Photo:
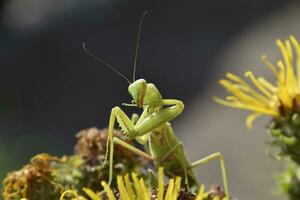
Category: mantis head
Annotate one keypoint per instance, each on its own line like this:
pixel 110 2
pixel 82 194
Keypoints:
pixel 137 89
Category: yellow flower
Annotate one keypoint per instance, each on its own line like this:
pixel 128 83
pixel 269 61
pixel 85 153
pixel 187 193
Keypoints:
pixel 135 189
pixel 127 189
pixel 263 97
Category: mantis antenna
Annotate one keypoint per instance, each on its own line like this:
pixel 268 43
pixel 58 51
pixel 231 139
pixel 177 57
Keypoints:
pixel 137 44
pixel 103 62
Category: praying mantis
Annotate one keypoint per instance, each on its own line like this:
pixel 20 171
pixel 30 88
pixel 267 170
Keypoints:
pixel 153 130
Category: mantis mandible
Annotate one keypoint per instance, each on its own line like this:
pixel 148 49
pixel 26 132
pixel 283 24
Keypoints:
pixel 153 130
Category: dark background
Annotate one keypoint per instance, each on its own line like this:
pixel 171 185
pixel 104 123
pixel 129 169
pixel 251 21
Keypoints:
pixel 50 89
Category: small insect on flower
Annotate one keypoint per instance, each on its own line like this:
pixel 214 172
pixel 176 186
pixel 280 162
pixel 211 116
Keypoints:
pixel 279 99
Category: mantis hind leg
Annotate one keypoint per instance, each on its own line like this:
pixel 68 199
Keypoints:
pixel 214 156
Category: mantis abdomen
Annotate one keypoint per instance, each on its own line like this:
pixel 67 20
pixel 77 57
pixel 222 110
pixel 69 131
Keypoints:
pixel 168 152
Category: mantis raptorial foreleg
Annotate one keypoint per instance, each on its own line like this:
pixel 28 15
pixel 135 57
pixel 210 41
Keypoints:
pixel 126 125
pixel 156 119
pixel 214 156
pixel 142 126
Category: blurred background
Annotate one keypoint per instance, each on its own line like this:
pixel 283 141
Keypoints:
pixel 50 89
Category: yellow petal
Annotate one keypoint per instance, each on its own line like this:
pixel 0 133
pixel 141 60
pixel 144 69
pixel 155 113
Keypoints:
pixel 137 186
pixel 258 84
pixel 270 65
pixel 145 191
pixel 91 194
pixel 108 191
pixel 176 188
pixel 123 192
pixel 201 193
pixel 251 118
pixel 160 192
pixel 68 192
pixel 129 187
pixel 297 49
pixel 170 190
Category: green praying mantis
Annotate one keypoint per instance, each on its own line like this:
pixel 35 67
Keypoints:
pixel 153 130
